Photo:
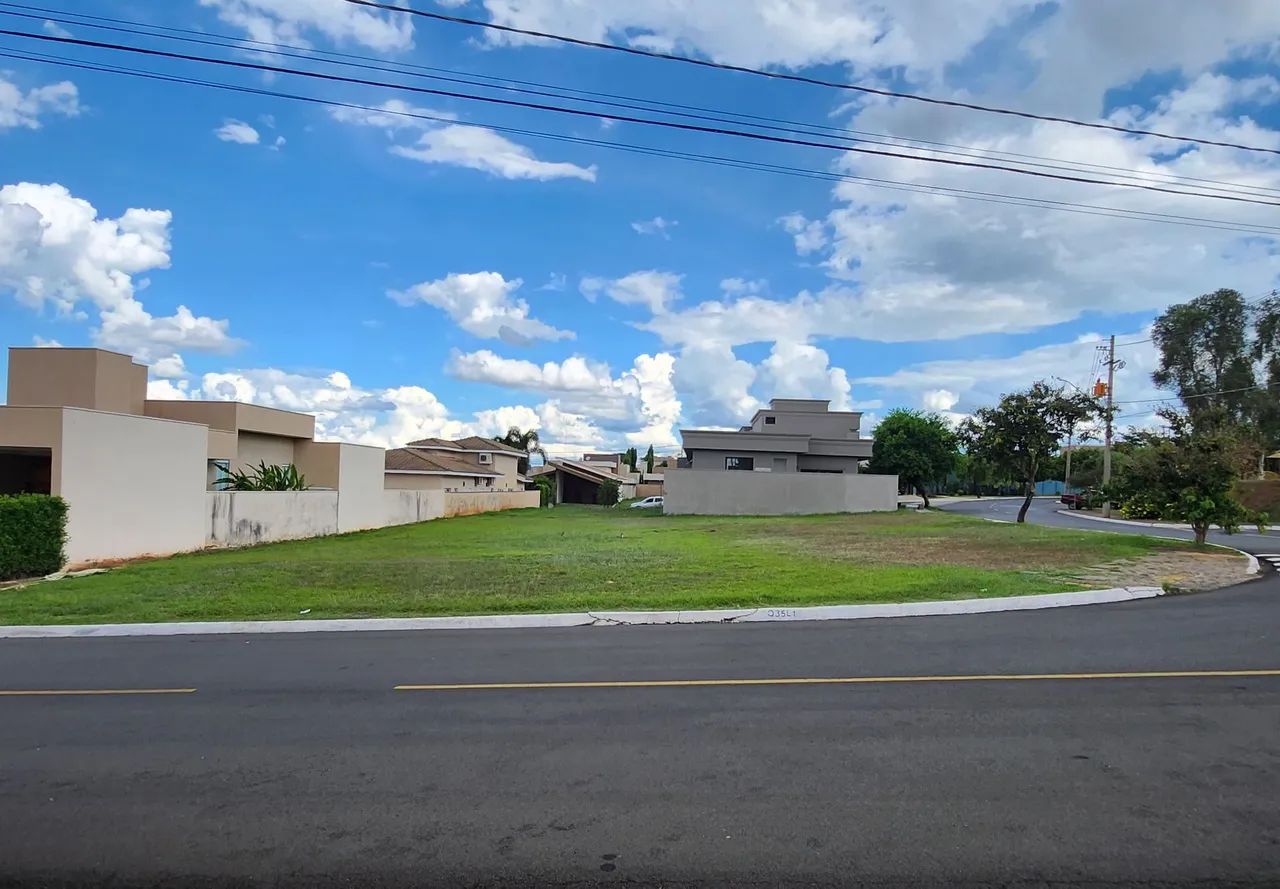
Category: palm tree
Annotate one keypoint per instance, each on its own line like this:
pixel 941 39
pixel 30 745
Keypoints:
pixel 526 441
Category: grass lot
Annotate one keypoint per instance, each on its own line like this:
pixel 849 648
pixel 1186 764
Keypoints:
pixel 582 558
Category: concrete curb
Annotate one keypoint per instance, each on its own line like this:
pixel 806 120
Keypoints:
pixel 591 618
pixel 1172 526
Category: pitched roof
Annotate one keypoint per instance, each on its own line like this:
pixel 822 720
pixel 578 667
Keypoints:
pixel 591 471
pixel 434 443
pixel 470 443
pixel 476 443
pixel 409 460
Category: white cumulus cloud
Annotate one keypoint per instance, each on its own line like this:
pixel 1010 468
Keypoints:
pixel 483 304
pixel 237 131
pixel 56 251
pixel 434 140
pixel 300 21
pixel 26 109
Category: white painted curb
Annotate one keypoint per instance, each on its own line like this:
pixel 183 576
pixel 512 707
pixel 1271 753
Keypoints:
pixel 592 618
pixel 1172 526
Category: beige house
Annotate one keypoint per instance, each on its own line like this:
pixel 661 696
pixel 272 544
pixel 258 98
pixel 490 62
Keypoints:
pixel 139 475
pixel 797 456
pixel 464 464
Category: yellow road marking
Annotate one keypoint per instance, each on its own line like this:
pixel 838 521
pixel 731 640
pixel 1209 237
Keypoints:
pixel 840 680
pixel 62 692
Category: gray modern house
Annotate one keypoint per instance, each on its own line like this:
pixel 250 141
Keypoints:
pixel 796 456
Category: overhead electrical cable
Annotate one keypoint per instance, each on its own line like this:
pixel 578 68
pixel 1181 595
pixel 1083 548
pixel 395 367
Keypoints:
pixel 629 102
pixel 714 160
pixel 799 78
pixel 577 112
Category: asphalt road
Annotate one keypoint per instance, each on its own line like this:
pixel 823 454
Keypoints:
pixel 1048 511
pixel 296 762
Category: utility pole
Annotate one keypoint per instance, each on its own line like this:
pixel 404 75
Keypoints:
pixel 1106 450
pixel 1066 481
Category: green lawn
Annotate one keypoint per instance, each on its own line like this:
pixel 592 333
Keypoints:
pixel 581 558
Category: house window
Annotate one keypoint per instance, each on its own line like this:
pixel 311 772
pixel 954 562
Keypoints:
pixel 486 458
pixel 770 421
pixel 744 463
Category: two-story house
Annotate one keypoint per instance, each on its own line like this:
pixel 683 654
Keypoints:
pixel 796 456
pixel 464 464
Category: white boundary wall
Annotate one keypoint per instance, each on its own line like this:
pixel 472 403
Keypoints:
pixel 133 485
pixel 404 507
pixel 705 492
pixel 242 518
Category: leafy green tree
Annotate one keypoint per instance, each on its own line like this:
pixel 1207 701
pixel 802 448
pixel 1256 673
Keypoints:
pixel 648 459
pixel 546 486
pixel 1205 355
pixel 1222 357
pixel 630 458
pixel 1186 474
pixel 607 493
pixel 526 441
pixel 1022 432
pixel 920 448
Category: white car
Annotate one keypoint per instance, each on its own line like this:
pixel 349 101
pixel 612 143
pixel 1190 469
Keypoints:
pixel 647 503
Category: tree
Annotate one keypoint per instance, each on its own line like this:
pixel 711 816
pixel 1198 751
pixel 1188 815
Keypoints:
pixel 1205 355
pixel 1023 431
pixel 526 441
pixel 630 457
pixel 1222 357
pixel 1185 475
pixel 648 459
pixel 607 493
pixel 546 485
pixel 920 448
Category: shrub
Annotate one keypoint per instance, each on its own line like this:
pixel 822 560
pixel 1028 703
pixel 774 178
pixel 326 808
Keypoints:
pixel 265 478
pixel 607 493
pixel 546 486
pixel 33 530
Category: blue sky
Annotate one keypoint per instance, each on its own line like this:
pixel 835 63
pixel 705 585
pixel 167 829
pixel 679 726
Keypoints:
pixel 403 278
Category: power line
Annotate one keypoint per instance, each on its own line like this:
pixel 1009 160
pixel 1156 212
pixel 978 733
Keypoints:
pixel 714 160
pixel 651 105
pixel 1201 394
pixel 798 78
pixel 558 109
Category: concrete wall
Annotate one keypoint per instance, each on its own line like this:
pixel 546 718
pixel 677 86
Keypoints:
pixel 214 414
pixel 689 492
pixel 405 481
pixel 253 448
pixel 704 460
pixel 507 464
pixel 823 462
pixel 456 504
pixel 242 518
pixel 134 485
pixel 89 378
pixel 360 500
pixel 407 507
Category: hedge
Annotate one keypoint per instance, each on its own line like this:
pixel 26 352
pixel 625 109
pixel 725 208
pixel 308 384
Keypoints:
pixel 33 530
pixel 1260 496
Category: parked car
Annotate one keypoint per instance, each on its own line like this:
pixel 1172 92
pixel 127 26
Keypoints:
pixel 647 503
pixel 1090 498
